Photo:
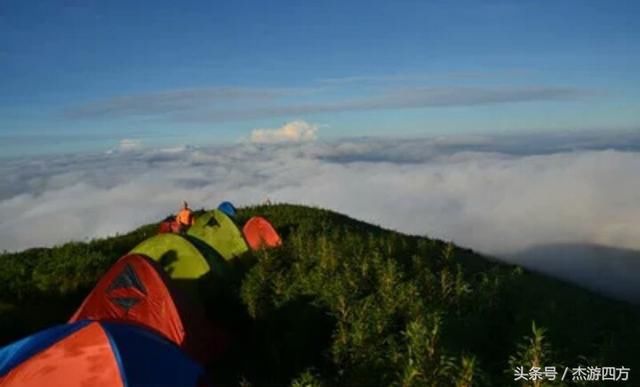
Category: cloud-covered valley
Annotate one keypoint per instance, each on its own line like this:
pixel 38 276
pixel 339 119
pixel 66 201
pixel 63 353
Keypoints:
pixel 545 200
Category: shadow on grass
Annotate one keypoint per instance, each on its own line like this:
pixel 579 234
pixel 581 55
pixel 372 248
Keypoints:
pixel 275 349
pixel 37 313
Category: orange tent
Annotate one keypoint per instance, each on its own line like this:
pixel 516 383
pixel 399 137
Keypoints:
pixel 136 290
pixel 96 353
pixel 260 233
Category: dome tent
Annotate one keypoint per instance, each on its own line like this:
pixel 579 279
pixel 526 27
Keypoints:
pixel 177 256
pixel 228 208
pixel 136 290
pixel 187 265
pixel 90 353
pixel 260 233
pixel 218 231
pixel 168 225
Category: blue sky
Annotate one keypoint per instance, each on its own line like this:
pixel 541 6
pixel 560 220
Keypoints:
pixel 82 75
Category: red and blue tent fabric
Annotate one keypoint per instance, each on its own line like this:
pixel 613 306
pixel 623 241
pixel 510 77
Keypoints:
pixel 260 233
pixel 228 208
pixel 91 353
pixel 136 290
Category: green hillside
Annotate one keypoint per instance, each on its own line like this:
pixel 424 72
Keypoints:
pixel 348 303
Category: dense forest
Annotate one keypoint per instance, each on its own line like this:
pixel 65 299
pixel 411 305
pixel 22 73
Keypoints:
pixel 345 303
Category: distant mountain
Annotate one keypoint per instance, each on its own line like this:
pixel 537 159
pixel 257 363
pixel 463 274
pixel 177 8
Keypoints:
pixel 607 270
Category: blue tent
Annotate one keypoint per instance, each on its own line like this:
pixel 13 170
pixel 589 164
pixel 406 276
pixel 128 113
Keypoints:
pixel 96 353
pixel 228 208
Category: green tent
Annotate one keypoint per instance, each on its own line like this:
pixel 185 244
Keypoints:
pixel 218 231
pixel 179 257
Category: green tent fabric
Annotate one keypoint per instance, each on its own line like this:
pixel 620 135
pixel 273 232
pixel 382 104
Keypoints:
pixel 218 231
pixel 179 257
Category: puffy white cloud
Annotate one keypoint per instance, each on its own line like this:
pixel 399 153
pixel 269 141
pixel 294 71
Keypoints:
pixel 295 131
pixel 527 199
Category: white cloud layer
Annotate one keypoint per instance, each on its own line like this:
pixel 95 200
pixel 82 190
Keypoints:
pixel 540 200
pixel 295 131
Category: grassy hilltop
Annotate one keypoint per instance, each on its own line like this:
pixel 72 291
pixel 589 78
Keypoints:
pixel 348 303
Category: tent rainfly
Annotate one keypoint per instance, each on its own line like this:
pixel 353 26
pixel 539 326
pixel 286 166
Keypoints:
pixel 218 231
pixel 137 291
pixel 228 208
pixel 92 353
pixel 260 233
pixel 177 256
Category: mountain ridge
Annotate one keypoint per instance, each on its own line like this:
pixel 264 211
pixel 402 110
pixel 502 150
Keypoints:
pixel 345 302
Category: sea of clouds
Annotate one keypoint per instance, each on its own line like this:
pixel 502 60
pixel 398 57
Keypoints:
pixel 563 203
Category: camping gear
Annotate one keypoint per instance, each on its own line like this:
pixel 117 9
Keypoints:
pixel 228 208
pixel 136 290
pixel 260 233
pixel 169 225
pixel 91 353
pixel 217 230
pixel 183 261
pixel 177 256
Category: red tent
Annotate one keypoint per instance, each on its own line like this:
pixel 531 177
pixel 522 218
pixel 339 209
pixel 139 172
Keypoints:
pixel 260 233
pixel 168 225
pixel 136 290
